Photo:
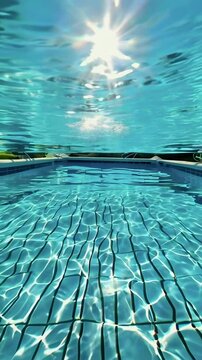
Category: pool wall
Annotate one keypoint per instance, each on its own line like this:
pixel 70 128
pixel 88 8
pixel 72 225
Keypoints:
pixel 13 166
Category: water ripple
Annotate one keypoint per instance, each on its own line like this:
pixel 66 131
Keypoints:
pixel 117 268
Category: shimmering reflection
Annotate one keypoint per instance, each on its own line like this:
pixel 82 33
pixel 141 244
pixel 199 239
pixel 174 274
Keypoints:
pixel 98 124
pixel 115 260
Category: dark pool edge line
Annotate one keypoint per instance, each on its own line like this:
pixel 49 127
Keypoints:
pixel 12 166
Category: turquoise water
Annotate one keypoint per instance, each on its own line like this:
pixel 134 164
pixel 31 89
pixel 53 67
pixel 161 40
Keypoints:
pixel 109 76
pixel 100 262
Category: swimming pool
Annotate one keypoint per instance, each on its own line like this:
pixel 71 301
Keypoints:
pixel 100 261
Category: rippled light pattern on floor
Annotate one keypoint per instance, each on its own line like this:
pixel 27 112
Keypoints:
pixel 100 273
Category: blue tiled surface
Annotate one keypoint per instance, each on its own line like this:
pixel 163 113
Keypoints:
pixel 106 254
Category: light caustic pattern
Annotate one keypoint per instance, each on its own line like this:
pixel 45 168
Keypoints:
pixel 100 275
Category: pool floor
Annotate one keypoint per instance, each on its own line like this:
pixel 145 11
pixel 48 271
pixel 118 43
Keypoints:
pixel 100 275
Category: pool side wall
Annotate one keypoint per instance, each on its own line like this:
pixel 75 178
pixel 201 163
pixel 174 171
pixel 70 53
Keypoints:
pixel 13 166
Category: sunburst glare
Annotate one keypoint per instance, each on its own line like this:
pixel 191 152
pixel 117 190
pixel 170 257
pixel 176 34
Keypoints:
pixel 116 3
pixel 106 44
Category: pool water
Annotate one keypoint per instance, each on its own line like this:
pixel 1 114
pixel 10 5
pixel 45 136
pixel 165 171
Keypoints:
pixel 100 262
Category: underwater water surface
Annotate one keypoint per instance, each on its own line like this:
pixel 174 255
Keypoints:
pixel 108 76
pixel 100 263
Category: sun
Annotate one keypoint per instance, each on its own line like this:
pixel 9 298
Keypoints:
pixel 106 44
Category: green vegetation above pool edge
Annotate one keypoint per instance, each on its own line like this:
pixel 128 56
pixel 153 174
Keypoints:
pixel 189 156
